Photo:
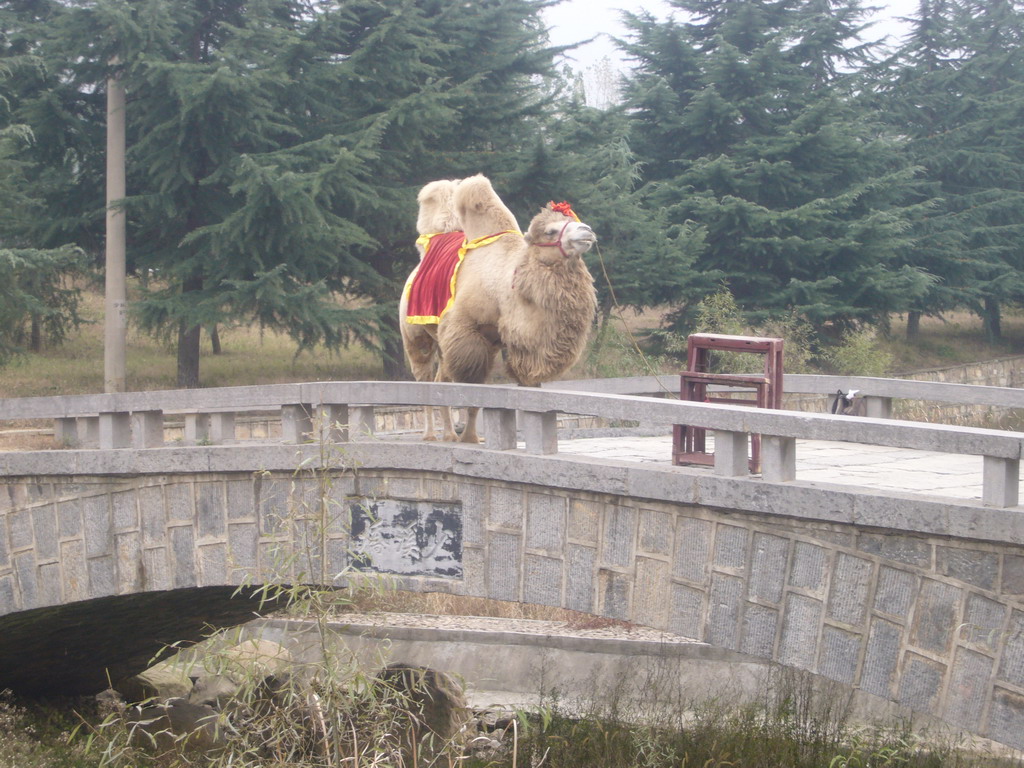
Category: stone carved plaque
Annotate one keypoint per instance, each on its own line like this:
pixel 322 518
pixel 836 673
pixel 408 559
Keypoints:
pixel 409 538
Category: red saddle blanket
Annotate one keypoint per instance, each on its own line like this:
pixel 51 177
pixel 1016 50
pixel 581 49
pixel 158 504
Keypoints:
pixel 431 287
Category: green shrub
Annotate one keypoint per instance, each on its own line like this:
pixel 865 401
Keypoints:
pixel 859 354
pixel 719 313
pixel 613 352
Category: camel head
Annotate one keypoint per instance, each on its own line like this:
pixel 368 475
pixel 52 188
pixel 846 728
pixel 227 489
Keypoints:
pixel 556 233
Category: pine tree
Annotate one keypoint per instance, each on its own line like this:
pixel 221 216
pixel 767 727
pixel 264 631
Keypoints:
pixel 746 125
pixel 275 146
pixel 39 300
pixel 974 149
pixel 38 296
pixel 952 90
pixel 65 125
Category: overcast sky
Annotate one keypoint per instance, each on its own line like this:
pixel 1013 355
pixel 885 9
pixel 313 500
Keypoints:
pixel 575 20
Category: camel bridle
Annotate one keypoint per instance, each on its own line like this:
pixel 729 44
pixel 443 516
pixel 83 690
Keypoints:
pixel 557 242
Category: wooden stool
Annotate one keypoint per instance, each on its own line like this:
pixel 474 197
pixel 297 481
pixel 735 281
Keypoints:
pixel 689 444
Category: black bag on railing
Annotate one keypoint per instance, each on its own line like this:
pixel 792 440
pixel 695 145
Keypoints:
pixel 849 403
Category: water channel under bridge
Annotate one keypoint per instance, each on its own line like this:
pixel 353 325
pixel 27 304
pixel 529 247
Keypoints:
pixel 885 555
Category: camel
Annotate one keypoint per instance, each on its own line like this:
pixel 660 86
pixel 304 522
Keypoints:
pixel 530 294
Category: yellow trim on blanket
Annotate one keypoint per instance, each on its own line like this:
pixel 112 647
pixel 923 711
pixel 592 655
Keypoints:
pixel 465 248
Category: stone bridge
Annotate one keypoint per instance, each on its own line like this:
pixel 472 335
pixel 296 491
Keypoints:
pixel 165 512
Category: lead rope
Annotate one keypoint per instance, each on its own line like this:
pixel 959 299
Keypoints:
pixel 618 311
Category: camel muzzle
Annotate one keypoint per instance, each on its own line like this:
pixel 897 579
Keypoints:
pixel 583 238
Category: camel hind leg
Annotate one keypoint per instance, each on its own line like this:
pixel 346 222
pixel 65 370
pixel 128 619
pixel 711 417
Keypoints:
pixel 448 433
pixel 422 353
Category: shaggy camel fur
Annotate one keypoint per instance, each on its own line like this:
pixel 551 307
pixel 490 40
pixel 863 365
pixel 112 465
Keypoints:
pixel 531 294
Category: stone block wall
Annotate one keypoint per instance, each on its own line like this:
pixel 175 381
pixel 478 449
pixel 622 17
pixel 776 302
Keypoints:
pixel 1002 372
pixel 932 623
pixel 63 541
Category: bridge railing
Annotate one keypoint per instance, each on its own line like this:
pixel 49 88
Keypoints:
pixel 136 419
pixel 878 393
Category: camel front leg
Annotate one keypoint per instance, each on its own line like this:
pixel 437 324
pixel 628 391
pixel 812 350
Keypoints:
pixel 429 432
pixel 467 356
pixel 448 426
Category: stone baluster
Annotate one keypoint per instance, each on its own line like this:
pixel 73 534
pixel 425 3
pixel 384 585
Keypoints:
pixel 222 427
pixel 89 431
pixel 197 428
pixel 1000 481
pixel 65 431
pixel 778 458
pixel 297 423
pixel 500 428
pixel 147 429
pixel 209 428
pixel 540 431
pixel 115 430
pixel 334 422
pixel 362 422
pixel 731 458
pixel 876 407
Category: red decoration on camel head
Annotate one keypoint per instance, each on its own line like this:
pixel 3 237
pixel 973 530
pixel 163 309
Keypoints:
pixel 563 208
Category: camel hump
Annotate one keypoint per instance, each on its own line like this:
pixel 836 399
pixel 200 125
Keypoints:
pixel 480 210
pixel 437 207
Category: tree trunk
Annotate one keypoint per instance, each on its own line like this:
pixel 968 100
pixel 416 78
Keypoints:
pixel 188 339
pixel 36 343
pixel 913 325
pixel 993 320
pixel 188 355
pixel 215 339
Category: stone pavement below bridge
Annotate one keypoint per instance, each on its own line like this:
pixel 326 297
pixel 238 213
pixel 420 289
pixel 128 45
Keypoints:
pixel 821 461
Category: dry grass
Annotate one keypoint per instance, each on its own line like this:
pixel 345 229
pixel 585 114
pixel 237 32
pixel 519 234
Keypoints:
pixel 250 356
pixel 956 338
pixel 27 439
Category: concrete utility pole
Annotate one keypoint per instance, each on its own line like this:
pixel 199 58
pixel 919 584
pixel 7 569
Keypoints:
pixel 116 323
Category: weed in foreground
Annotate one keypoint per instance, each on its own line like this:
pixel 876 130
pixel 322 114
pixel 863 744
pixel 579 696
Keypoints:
pixel 723 736
pixel 648 720
pixel 33 735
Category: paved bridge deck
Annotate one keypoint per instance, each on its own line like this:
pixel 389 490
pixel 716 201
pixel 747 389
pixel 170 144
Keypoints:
pixel 822 461
pixel 818 461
